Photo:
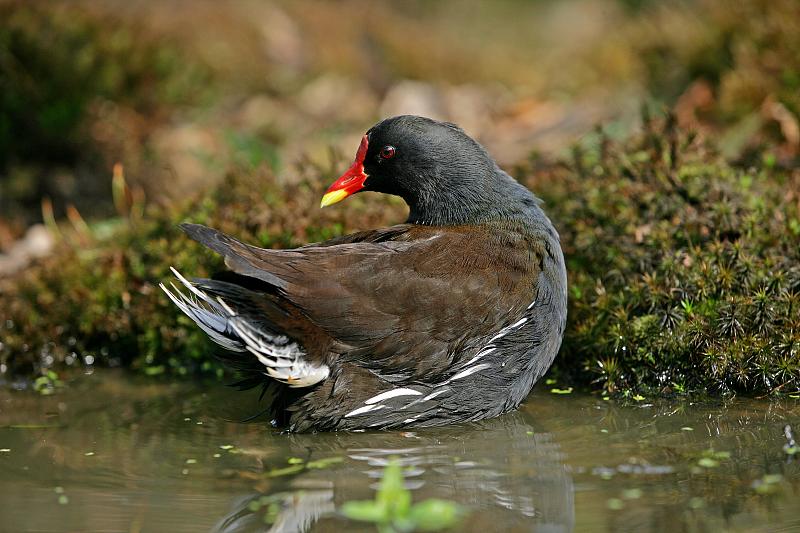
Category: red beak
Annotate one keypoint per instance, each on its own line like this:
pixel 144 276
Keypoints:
pixel 349 182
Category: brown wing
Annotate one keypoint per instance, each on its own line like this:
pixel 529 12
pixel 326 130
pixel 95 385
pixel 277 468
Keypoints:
pixel 412 301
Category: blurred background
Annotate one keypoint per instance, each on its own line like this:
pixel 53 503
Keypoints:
pixel 181 92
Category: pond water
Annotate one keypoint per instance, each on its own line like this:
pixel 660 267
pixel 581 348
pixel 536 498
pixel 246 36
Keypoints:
pixel 115 453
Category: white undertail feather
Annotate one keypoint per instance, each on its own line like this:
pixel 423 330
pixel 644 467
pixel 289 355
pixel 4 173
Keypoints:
pixel 283 359
pixel 204 311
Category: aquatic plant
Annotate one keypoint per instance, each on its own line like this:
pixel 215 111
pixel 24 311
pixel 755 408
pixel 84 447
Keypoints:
pixel 392 510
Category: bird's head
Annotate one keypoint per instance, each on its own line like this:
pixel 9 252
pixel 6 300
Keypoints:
pixel 434 166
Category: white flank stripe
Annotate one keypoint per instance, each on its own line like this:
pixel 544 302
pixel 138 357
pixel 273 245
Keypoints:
pixel 486 351
pixel 505 330
pixel 391 394
pixel 468 371
pixel 479 355
pixel 519 322
pixel 434 394
pixel 362 410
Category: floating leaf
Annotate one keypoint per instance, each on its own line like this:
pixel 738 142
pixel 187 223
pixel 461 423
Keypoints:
pixel 292 469
pixel 632 494
pixel 708 462
pixel 615 504
pixel 435 514
pixel 365 511
pixel 324 463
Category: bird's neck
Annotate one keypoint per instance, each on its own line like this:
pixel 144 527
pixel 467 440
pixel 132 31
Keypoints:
pixel 471 202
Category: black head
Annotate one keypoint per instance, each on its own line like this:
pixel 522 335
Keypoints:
pixel 444 176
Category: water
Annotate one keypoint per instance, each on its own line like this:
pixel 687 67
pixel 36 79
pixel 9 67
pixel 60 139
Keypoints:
pixel 113 453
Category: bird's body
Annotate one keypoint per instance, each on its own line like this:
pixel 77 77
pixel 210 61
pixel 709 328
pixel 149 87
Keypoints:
pixel 449 317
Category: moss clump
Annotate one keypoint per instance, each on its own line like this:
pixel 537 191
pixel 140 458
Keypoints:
pixel 684 270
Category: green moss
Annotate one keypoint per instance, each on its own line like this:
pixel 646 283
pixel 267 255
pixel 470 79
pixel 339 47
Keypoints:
pixel 684 270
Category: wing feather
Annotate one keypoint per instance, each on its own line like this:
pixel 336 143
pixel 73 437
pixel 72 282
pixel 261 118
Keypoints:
pixel 406 299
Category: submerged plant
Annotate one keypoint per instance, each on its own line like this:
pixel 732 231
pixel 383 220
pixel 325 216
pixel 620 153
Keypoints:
pixel 47 383
pixel 392 510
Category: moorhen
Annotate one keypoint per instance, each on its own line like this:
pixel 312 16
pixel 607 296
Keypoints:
pixel 449 317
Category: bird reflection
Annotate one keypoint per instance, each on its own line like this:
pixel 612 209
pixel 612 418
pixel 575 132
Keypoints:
pixel 508 475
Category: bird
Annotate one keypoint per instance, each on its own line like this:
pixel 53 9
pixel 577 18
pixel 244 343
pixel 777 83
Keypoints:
pixel 449 317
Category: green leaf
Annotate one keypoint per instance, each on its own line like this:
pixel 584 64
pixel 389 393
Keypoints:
pixel 615 504
pixel 708 462
pixel 365 511
pixel 324 463
pixel 435 514
pixel 155 370
pixel 286 471
pixel 392 493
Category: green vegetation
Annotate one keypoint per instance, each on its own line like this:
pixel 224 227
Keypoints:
pixel 297 465
pixel 683 269
pixel 392 510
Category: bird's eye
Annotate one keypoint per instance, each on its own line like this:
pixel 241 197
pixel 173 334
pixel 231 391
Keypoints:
pixel 387 152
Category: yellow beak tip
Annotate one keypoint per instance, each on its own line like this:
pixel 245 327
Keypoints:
pixel 333 197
